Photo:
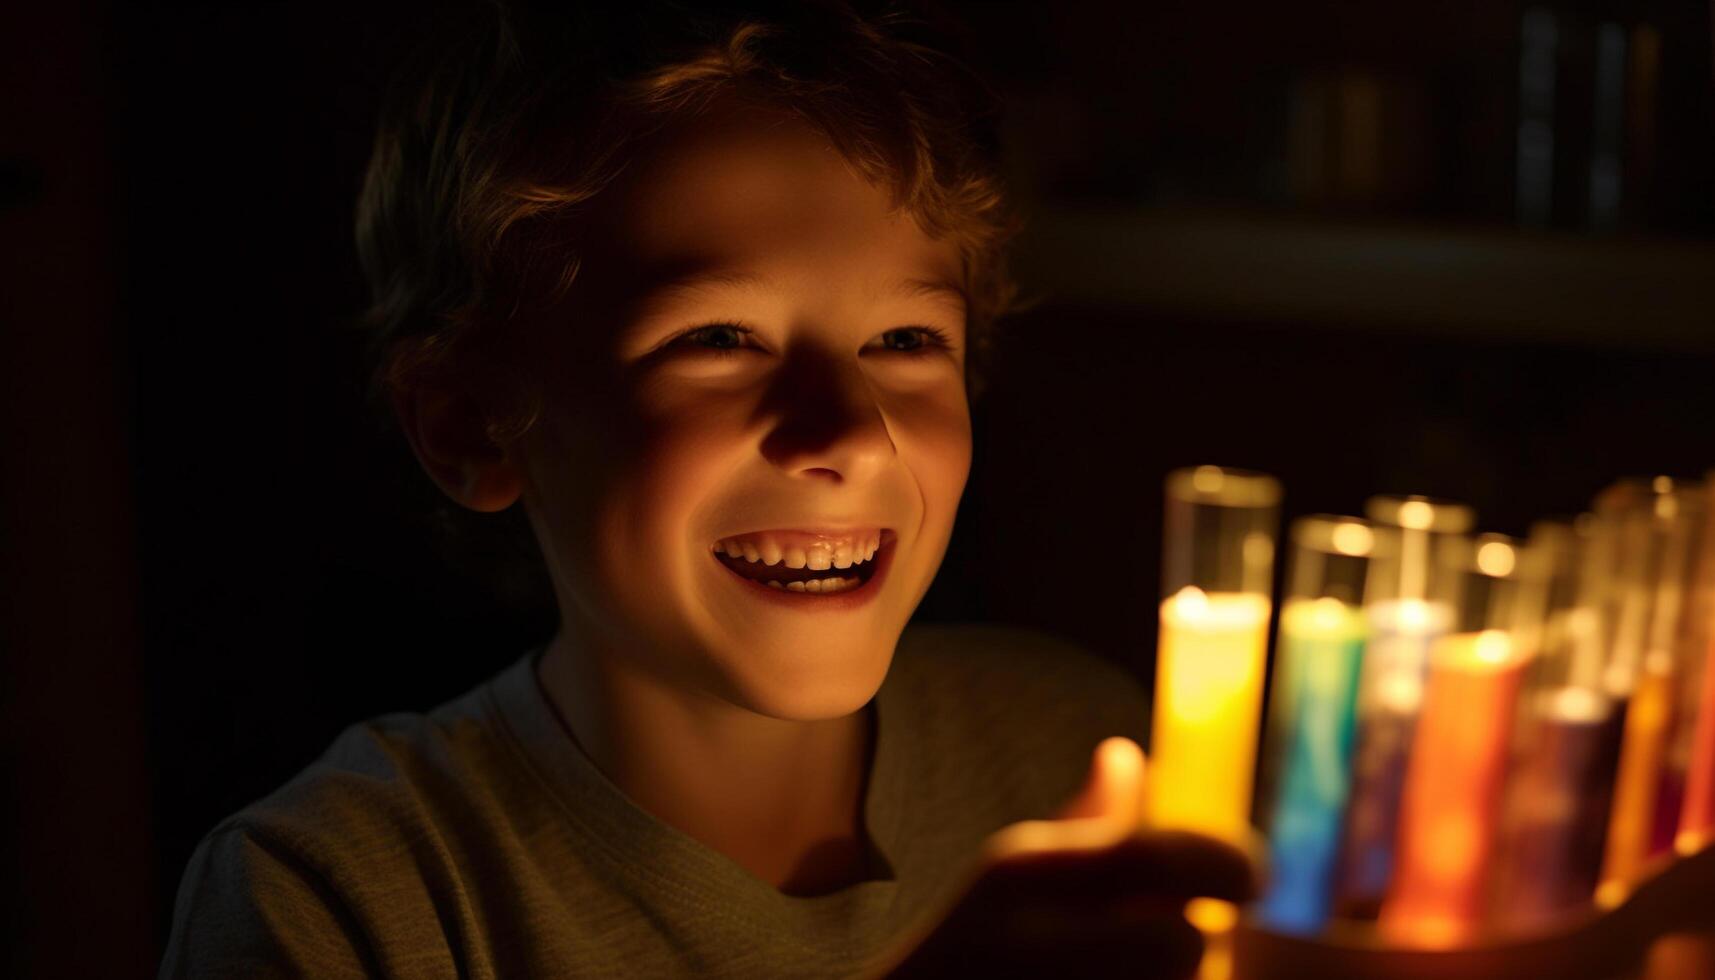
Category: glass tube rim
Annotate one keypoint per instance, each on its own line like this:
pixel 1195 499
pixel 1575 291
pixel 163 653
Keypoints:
pixel 1464 556
pixel 1223 486
pixel 1438 514
pixel 1320 533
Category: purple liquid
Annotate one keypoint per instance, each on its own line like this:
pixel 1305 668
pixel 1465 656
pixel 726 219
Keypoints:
pixel 1551 851
pixel 1372 815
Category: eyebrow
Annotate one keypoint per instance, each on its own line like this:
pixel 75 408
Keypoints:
pixel 935 289
pixel 696 279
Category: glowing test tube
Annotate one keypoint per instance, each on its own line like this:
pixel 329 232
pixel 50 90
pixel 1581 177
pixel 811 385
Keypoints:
pixel 1568 737
pixel 1218 562
pixel 1655 547
pixel 1697 817
pixel 1669 628
pixel 1410 603
pixel 1311 715
pixel 1680 590
pixel 1450 809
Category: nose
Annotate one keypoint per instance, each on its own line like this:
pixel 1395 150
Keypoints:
pixel 829 424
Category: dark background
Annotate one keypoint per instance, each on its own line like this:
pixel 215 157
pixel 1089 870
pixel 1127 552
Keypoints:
pixel 1301 238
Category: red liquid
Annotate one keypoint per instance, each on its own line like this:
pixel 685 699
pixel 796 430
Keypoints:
pixel 1669 804
pixel 1697 816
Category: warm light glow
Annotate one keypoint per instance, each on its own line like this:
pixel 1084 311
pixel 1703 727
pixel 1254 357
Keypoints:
pixel 1609 894
pixel 1216 920
pixel 1207 479
pixel 1416 515
pixel 1328 615
pixel 1492 647
pixel 1412 614
pixel 1577 704
pixel 1353 539
pixel 1688 843
pixel 1209 678
pixel 1496 558
pixel 1212 915
pixel 1190 603
pixel 1662 484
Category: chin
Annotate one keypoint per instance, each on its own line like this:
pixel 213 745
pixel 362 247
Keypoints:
pixel 784 684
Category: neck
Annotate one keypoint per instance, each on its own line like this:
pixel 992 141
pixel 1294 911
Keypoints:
pixel 781 798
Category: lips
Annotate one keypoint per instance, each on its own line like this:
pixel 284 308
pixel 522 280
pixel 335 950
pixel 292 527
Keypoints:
pixel 822 564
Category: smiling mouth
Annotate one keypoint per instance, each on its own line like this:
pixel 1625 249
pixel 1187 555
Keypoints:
pixel 805 562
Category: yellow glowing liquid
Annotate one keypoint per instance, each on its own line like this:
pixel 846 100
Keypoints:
pixel 1208 699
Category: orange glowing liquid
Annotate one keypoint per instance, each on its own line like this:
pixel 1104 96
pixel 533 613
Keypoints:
pixel 1649 722
pixel 1450 811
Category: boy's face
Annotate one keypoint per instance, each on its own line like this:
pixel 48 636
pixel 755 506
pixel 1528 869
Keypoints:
pixel 757 357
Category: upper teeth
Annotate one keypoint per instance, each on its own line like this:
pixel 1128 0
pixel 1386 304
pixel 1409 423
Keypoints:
pixel 819 555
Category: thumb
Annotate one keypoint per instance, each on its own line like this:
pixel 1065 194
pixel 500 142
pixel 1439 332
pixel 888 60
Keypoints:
pixel 1114 790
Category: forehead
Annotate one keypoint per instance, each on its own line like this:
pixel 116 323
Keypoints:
pixel 753 190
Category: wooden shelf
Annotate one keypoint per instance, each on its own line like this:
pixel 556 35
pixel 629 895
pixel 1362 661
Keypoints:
pixel 1469 284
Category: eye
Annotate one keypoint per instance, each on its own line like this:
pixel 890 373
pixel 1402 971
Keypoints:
pixel 717 338
pixel 914 340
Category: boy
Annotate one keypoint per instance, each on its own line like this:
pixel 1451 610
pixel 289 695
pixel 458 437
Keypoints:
pixel 699 291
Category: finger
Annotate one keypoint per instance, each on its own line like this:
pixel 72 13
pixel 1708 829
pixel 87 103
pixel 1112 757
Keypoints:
pixel 1172 864
pixel 1114 787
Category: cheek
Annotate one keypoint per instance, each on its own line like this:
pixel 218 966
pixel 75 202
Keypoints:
pixel 933 433
pixel 621 482
pixel 933 438
pixel 666 465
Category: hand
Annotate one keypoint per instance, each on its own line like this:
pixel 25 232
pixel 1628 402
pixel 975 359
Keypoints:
pixel 1085 894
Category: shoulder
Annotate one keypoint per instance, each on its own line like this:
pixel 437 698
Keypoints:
pixel 386 775
pixel 332 866
pixel 254 905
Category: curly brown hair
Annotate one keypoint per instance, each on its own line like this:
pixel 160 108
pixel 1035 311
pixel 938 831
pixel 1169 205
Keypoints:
pixel 516 114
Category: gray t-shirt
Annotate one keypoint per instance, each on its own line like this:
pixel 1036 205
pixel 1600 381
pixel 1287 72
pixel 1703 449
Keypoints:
pixel 479 841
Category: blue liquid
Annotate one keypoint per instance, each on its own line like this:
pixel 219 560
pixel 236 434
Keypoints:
pixel 1320 678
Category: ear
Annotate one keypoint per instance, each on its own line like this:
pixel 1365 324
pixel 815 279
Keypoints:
pixel 448 433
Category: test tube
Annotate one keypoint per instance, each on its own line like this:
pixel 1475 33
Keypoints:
pixel 1567 742
pixel 1697 817
pixel 1450 808
pixel 1655 548
pixel 1217 572
pixel 1409 603
pixel 1676 604
pixel 1311 715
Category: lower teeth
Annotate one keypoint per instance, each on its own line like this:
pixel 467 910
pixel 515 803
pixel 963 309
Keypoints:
pixel 820 586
